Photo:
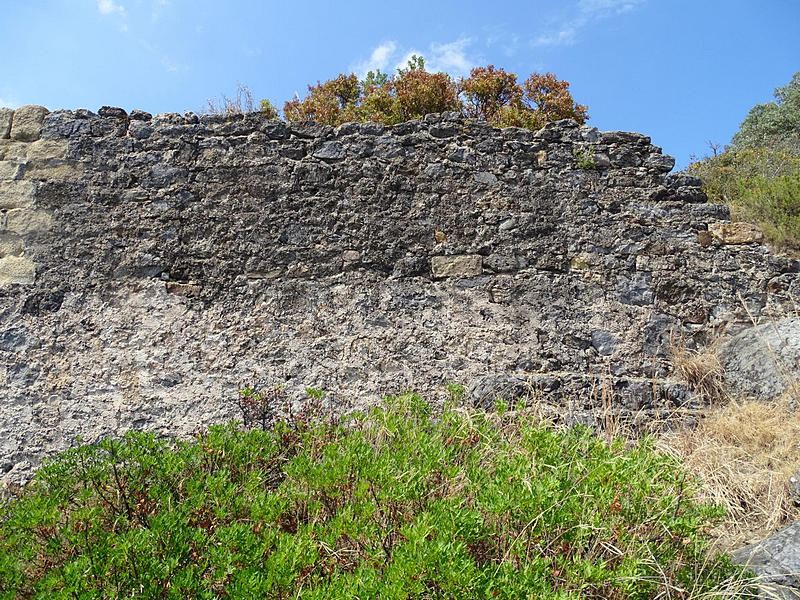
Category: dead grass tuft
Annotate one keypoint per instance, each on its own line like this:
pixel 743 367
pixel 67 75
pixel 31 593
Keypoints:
pixel 700 369
pixel 744 453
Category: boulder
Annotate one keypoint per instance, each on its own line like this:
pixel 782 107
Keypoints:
pixel 27 123
pixel 776 561
pixel 762 362
pixel 6 117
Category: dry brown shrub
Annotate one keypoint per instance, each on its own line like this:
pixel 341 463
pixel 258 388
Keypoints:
pixel 700 369
pixel 744 453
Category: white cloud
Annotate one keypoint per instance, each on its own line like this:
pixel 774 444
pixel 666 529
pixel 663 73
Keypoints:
pixel 107 7
pixel 379 59
pixel 587 11
pixel 450 57
pixel 8 103
pixel 170 66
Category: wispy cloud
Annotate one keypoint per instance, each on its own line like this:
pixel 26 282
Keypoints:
pixel 565 32
pixel 378 60
pixel 454 57
pixel 8 103
pixel 107 7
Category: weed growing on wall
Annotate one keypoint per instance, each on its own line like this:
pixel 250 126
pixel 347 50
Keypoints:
pixel 391 503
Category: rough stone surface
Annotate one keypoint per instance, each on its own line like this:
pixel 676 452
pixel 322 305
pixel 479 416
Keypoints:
pixel 6 117
pixel 16 270
pixel 763 362
pixel 794 488
pixel 175 258
pixel 27 122
pixel 735 233
pixel 776 560
pixel 456 266
pixel 15 194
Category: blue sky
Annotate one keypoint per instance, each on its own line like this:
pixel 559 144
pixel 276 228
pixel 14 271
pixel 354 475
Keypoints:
pixel 682 71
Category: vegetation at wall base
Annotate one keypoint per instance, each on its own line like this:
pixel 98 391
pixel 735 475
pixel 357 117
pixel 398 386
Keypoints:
pixel 391 503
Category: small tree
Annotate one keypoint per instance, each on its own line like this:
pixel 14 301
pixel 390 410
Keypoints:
pixel 332 102
pixel 488 91
pixel 773 123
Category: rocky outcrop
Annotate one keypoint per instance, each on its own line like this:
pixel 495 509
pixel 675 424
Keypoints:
pixel 763 362
pixel 776 563
pixel 149 265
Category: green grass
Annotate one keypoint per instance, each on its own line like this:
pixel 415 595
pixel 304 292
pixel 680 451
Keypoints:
pixel 394 503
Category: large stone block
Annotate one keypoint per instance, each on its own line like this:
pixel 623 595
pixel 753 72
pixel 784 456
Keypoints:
pixel 46 149
pixel 10 170
pixel 761 362
pixel 467 265
pixel 25 221
pixel 52 168
pixel 6 117
pixel 27 123
pixel 10 245
pixel 17 269
pixel 735 233
pixel 16 194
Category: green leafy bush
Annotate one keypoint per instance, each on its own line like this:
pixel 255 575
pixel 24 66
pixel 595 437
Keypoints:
pixel 773 124
pixel 390 504
pixel 758 176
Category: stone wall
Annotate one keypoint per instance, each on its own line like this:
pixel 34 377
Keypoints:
pixel 150 265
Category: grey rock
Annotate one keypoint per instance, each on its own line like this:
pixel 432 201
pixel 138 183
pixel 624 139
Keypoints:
pixel 603 342
pixel 27 123
pixel 762 362
pixel 794 488
pixel 444 131
pixel 485 178
pixel 660 162
pixel 112 111
pixel 635 289
pixel 140 129
pixel 331 151
pixel 140 115
pixel 371 128
pixel 6 116
pixel 485 390
pixel 776 562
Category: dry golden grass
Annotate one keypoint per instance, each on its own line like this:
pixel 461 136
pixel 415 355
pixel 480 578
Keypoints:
pixel 744 453
pixel 700 369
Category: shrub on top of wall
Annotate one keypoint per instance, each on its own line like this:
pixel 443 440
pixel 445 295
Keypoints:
pixel 489 93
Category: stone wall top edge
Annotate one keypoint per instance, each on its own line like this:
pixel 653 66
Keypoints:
pixel 436 121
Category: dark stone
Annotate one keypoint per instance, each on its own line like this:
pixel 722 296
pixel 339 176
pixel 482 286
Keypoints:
pixel 112 111
pixel 484 391
pixel 41 303
pixel 140 115
pixel 603 342
pixel 776 562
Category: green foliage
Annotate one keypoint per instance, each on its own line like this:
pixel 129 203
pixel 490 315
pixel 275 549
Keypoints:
pixel 390 504
pixel 268 109
pixel 456 391
pixel 489 93
pixel 759 176
pixel 774 124
pixel 584 158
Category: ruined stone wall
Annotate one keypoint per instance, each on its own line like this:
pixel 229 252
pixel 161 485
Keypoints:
pixel 150 265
